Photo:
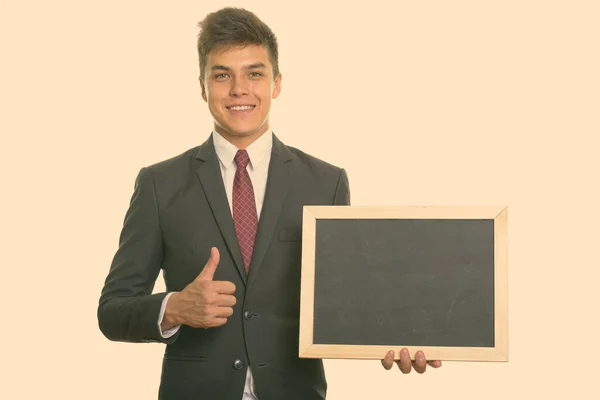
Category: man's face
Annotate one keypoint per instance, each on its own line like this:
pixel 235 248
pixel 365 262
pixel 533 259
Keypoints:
pixel 238 86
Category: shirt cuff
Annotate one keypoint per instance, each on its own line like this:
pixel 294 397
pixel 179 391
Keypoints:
pixel 171 331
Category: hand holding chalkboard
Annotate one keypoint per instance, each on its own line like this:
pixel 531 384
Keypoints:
pixel 406 364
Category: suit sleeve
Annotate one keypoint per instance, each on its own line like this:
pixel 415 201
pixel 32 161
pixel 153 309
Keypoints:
pixel 127 310
pixel 342 191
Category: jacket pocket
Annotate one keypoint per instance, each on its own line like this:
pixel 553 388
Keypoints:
pixel 185 357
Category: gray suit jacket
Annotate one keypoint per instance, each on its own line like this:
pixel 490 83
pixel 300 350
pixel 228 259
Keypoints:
pixel 178 211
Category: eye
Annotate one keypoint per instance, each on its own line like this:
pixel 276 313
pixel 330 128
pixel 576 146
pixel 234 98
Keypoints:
pixel 219 76
pixel 255 74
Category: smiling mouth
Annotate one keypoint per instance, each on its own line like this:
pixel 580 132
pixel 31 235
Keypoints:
pixel 241 108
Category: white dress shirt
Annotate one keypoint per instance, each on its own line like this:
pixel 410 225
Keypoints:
pixel 260 156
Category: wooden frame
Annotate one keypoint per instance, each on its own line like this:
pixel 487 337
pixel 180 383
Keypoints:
pixel 308 349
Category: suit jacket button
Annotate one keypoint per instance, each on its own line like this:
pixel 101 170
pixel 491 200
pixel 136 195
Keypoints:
pixel 248 314
pixel 238 364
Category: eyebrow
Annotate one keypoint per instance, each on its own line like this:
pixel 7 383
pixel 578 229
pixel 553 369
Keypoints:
pixel 219 67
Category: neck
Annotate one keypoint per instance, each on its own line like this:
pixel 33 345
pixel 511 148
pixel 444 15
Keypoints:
pixel 242 141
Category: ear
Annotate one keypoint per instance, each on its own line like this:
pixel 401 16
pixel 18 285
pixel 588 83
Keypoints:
pixel 203 89
pixel 277 86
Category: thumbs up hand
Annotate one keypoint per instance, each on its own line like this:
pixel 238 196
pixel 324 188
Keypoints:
pixel 204 303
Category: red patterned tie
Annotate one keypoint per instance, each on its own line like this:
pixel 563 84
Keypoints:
pixel 244 207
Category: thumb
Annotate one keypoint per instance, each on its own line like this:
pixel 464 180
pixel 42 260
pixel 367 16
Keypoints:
pixel 208 272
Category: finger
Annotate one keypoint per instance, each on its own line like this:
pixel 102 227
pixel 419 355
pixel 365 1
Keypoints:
pixel 388 360
pixel 435 364
pixel 223 287
pixel 208 272
pixel 404 363
pixel 208 323
pixel 225 300
pixel 223 312
pixel 216 322
pixel 420 364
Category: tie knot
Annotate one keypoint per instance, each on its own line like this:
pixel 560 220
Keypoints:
pixel 242 159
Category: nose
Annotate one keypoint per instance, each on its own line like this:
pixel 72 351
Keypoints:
pixel 239 87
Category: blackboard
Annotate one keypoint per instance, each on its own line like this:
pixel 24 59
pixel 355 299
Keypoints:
pixel 381 278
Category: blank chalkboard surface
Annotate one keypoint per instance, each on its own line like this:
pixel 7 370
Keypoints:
pixel 382 278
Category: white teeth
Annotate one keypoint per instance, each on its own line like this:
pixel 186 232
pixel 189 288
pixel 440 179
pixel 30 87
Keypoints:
pixel 241 108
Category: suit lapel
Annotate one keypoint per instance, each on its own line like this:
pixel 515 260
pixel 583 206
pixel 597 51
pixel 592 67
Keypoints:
pixel 214 189
pixel 276 191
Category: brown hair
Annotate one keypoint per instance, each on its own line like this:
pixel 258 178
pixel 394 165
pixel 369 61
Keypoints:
pixel 230 27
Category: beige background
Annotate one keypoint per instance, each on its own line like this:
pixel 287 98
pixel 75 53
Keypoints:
pixel 445 102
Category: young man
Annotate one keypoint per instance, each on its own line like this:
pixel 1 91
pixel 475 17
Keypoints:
pixel 231 323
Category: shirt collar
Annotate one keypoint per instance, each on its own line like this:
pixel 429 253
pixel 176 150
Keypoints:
pixel 257 151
